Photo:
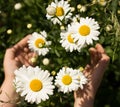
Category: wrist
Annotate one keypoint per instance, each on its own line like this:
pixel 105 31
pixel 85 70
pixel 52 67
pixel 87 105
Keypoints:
pixel 8 95
pixel 86 102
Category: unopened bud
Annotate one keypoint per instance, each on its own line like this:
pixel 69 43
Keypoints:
pixel 51 10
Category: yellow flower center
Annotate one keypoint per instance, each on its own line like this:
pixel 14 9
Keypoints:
pixel 36 85
pixel 84 30
pixel 70 39
pixel 67 80
pixel 39 43
pixel 59 11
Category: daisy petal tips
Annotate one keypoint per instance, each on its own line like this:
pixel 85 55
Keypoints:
pixel 34 84
pixel 38 43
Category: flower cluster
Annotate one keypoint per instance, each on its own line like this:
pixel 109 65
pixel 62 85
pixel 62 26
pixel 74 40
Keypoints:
pixel 69 79
pixel 79 34
pixel 36 84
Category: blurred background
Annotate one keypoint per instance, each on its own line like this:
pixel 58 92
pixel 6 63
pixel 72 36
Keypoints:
pixel 21 17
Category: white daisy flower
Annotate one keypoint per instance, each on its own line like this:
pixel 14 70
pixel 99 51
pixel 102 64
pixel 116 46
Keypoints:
pixel 82 79
pixel 38 43
pixel 67 80
pixel 59 10
pixel 33 83
pixel 67 41
pixel 86 31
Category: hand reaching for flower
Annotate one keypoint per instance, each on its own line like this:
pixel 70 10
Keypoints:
pixel 20 55
pixel 15 57
pixel 94 72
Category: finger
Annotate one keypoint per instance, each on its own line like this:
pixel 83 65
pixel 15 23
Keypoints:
pixel 93 56
pixel 23 42
pixel 10 53
pixel 87 68
pixel 26 50
pixel 100 51
pixel 23 60
pixel 22 56
pixel 99 48
pixel 100 69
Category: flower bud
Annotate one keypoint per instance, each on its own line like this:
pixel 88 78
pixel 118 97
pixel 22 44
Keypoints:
pixel 9 31
pixel 29 26
pixel 51 10
pixel 109 27
pixel 17 6
pixel 46 61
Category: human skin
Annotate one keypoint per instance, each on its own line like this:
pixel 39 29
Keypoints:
pixel 14 58
pixel 20 54
pixel 94 72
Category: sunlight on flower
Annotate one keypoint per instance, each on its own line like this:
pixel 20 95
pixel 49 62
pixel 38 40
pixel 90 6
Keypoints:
pixel 33 83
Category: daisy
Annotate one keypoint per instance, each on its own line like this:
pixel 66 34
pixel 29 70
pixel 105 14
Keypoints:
pixel 85 31
pixel 38 43
pixel 33 83
pixel 67 80
pixel 82 79
pixel 58 11
pixel 67 41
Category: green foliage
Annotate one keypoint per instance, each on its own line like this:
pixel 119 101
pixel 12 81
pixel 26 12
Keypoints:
pixel 34 12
